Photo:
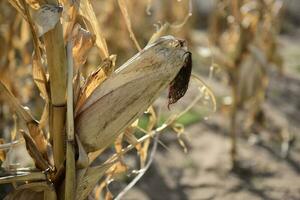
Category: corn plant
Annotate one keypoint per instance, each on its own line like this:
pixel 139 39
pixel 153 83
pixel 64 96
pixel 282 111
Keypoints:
pixel 245 36
pixel 85 116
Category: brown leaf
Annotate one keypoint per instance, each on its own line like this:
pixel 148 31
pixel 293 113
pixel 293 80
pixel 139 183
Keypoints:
pixel 39 76
pixel 39 138
pixel 78 79
pixel 83 41
pixel 13 102
pixel 125 14
pixel 87 12
pixel 33 151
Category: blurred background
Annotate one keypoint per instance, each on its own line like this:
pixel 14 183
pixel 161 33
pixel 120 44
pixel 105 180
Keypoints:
pixel 246 51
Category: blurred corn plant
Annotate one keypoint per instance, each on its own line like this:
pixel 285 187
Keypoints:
pixel 89 123
pixel 243 35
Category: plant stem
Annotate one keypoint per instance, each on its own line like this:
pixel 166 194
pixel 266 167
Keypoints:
pixel 56 58
pixel 70 155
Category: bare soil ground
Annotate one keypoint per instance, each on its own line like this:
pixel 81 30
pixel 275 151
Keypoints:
pixel 204 172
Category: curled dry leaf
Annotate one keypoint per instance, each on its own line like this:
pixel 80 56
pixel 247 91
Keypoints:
pixel 128 92
pixel 47 17
pixel 83 41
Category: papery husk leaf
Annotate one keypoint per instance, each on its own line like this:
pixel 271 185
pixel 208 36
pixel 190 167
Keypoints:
pixel 128 92
pixel 87 182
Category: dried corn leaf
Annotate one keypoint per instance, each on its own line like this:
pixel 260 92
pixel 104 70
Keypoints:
pixel 120 167
pixel 10 99
pixel 83 41
pixel 33 151
pixel 39 138
pixel 39 76
pixel 38 72
pixel 130 138
pixel 87 12
pixel 125 14
pixel 94 80
pixel 33 127
pixel 77 86
pixel 45 116
pixel 143 152
pixel 35 4
pixel 47 17
pixel 87 182
pixel 179 129
pixel 18 6
pixel 69 18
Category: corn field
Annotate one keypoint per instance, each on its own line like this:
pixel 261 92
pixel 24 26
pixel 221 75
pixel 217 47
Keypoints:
pixel 149 99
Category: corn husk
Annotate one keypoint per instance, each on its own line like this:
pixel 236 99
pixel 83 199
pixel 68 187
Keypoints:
pixel 128 92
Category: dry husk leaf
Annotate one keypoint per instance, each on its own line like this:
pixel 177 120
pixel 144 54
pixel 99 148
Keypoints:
pixel 128 92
